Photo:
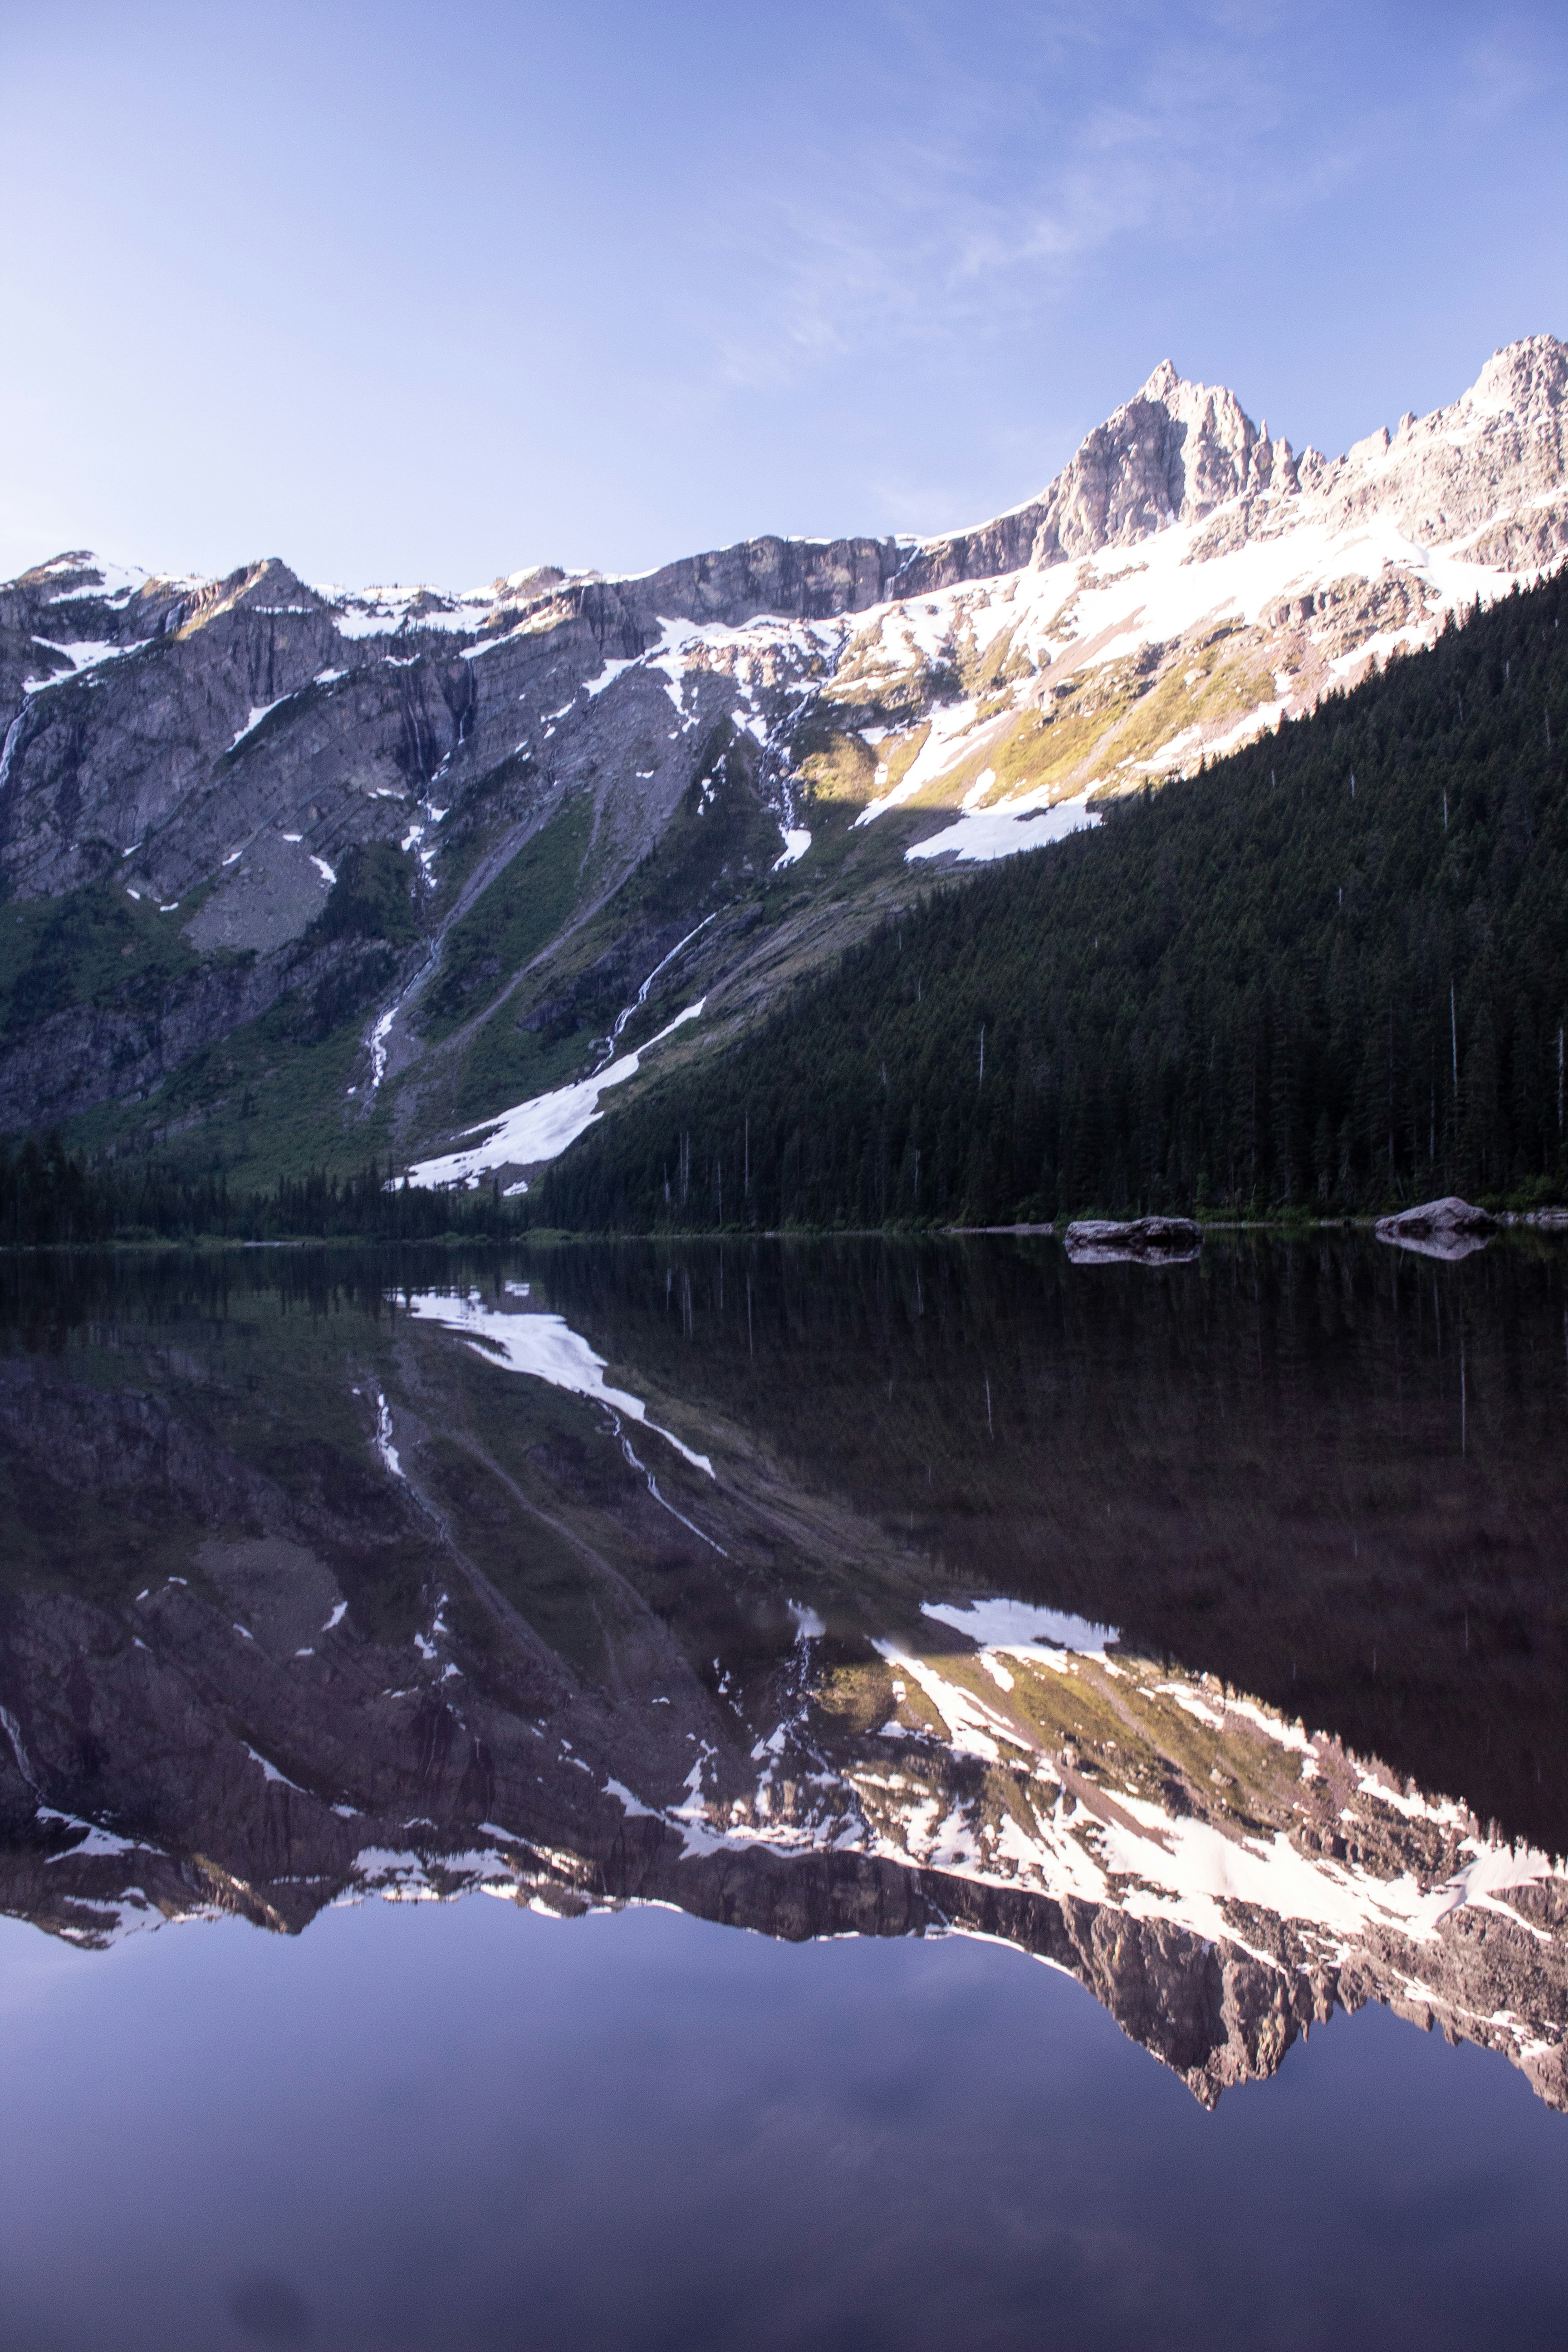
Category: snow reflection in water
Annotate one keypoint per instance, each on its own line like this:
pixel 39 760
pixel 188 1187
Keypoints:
pixel 545 1347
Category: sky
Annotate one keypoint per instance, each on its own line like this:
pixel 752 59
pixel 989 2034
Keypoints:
pixel 407 292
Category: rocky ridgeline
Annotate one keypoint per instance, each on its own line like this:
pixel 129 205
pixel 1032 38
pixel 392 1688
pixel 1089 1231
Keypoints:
pixel 215 749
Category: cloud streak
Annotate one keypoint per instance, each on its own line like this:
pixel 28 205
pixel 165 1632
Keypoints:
pixel 1180 129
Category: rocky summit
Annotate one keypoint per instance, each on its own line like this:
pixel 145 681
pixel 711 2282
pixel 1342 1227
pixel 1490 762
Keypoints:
pixel 294 874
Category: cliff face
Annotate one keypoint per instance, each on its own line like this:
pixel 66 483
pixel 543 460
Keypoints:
pixel 209 752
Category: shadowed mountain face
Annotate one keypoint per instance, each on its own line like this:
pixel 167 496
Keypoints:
pixel 292 872
pixel 1201 1630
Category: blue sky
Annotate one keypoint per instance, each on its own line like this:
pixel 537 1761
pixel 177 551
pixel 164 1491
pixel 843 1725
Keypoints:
pixel 404 291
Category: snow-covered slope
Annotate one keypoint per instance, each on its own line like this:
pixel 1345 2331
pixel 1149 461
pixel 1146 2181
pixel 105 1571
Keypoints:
pixel 1185 583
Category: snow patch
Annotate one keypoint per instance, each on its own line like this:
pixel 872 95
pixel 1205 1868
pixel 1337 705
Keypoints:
pixel 382 1441
pixel 378 1037
pixel 1028 822
pixel 259 711
pixel 541 1128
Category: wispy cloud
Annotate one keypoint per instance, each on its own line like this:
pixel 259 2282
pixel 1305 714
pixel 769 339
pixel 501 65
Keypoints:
pixel 955 229
pixel 1006 173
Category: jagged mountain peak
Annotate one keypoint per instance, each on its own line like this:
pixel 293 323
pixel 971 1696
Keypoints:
pixel 1172 453
pixel 1206 410
pixel 1527 379
pixel 1523 388
pixel 266 587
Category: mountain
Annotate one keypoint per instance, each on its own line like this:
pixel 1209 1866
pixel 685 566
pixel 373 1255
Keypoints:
pixel 294 874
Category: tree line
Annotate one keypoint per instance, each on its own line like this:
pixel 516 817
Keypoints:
pixel 49 1197
pixel 1330 973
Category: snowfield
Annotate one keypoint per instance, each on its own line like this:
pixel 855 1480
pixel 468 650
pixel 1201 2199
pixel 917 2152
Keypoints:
pixel 540 1129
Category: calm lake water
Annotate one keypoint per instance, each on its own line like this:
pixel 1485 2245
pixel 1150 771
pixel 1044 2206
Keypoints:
pixel 823 1794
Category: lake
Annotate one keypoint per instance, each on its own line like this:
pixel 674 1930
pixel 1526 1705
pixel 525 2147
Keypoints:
pixel 836 1793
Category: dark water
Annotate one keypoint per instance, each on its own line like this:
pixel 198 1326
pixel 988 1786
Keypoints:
pixel 498 1849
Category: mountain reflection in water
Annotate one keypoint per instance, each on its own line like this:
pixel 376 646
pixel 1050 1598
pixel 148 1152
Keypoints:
pixel 1199 1630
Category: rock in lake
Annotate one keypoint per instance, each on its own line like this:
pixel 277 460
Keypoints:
pixel 1448 1228
pixel 1143 1241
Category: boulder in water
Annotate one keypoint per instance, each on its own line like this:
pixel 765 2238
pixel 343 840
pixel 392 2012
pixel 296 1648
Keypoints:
pixel 1140 1241
pixel 1448 1228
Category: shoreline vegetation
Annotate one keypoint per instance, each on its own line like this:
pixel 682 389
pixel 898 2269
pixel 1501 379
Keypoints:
pixel 487 1229
pixel 50 1201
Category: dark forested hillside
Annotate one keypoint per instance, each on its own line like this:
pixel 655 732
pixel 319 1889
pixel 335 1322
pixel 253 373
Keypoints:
pixel 1330 972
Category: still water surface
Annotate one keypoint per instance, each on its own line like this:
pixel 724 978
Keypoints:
pixel 534 1794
